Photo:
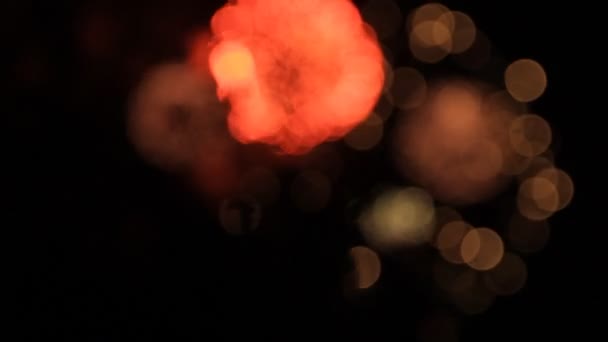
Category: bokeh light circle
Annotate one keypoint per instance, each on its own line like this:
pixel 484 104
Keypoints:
pixel 367 266
pixel 483 248
pixel 399 218
pixel 526 80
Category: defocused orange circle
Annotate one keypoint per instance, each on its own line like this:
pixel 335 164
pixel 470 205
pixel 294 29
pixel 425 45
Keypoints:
pixel 367 266
pixel 483 248
pixel 530 135
pixel 508 277
pixel 449 241
pixel 526 80
pixel 562 183
pixel 537 198
pixel 527 236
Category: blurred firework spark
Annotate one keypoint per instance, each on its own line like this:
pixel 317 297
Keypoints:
pixel 284 65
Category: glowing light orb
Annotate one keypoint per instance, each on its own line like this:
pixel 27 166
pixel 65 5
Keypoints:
pixel 232 65
pixel 453 145
pixel 296 73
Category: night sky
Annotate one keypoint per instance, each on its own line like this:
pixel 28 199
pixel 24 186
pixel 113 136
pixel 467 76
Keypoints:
pixel 116 249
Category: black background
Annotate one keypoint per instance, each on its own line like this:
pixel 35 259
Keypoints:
pixel 115 249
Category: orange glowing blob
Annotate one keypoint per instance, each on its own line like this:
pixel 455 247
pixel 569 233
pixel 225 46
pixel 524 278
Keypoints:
pixel 231 65
pixel 453 146
pixel 295 73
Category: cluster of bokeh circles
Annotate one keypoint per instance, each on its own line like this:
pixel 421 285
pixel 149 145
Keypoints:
pixel 462 142
pixel 277 85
